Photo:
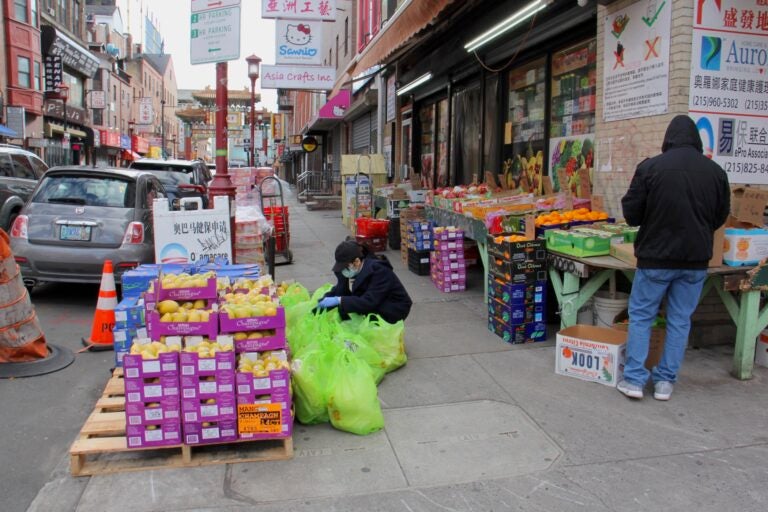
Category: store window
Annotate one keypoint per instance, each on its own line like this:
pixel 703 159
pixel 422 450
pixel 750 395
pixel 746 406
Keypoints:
pixel 465 138
pixel 33 7
pixel 442 143
pixel 572 123
pixel 76 89
pixel 491 127
pixel 23 72
pixel 76 17
pixel 369 21
pixel 427 127
pixel 525 126
pixel 38 86
pixel 20 11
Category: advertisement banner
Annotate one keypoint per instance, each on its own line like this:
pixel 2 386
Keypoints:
pixel 298 42
pixel 636 56
pixel 194 235
pixel 729 87
pixel 324 10
pixel 145 111
pixel 319 78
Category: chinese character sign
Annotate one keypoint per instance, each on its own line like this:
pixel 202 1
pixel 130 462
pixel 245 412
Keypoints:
pixel 145 111
pixel 729 85
pixel 636 56
pixel 192 236
pixel 299 9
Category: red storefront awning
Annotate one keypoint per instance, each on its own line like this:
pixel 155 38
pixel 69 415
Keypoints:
pixel 130 155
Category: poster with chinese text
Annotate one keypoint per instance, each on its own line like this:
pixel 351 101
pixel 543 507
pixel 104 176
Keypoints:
pixel 729 85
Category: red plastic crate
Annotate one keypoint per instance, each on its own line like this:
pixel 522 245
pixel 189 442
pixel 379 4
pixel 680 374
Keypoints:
pixel 373 228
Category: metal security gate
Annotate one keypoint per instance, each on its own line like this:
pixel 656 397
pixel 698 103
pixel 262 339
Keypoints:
pixel 361 134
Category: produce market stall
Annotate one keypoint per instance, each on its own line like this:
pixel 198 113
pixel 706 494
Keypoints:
pixel 576 279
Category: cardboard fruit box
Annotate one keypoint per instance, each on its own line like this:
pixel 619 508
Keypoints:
pixel 265 419
pixel 577 243
pixel 186 294
pixel 277 341
pixel 594 354
pixel 167 364
pixel 518 272
pixel 656 341
pixel 529 250
pixel 518 334
pixel 222 406
pixel 522 293
pixel 154 412
pixel 151 389
pixel 251 323
pixel 157 328
pixel 515 314
pixel 250 386
pixel 210 432
pixel 745 246
pixel 146 436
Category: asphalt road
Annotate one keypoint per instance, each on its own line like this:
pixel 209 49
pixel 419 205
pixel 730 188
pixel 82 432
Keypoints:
pixel 42 415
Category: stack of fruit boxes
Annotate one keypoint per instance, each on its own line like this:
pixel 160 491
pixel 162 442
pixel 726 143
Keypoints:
pixel 447 266
pixel 262 392
pixel 152 405
pixel 419 244
pixel 407 215
pixel 129 324
pixel 208 394
pixel 517 287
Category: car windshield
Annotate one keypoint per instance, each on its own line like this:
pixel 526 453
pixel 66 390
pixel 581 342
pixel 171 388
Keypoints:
pixel 169 175
pixel 90 190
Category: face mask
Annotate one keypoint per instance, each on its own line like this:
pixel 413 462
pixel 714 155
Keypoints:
pixel 349 273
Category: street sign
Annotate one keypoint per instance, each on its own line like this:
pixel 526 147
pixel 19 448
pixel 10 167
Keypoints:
pixel 215 36
pixel 208 5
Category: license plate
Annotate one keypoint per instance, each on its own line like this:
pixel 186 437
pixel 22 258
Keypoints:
pixel 78 233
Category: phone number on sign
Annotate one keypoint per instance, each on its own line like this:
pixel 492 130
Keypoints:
pixel 715 101
pixel 745 167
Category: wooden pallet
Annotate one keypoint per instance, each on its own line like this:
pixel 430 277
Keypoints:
pixel 101 447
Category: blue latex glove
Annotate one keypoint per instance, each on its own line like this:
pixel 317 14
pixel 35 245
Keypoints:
pixel 329 302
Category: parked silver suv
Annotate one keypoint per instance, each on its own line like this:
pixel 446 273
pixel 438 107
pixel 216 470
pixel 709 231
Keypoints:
pixel 20 171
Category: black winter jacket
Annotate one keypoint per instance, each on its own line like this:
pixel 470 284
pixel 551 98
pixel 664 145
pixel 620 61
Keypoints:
pixel 678 198
pixel 376 289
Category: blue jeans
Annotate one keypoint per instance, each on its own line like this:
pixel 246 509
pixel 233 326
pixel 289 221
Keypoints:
pixel 682 289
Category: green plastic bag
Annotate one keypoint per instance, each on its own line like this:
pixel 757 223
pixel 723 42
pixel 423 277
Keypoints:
pixel 294 294
pixel 387 339
pixel 320 292
pixel 310 374
pixel 353 403
pixel 360 348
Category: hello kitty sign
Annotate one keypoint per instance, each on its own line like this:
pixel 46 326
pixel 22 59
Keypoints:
pixel 299 42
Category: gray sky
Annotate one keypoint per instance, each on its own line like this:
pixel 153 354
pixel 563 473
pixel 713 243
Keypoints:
pixel 172 18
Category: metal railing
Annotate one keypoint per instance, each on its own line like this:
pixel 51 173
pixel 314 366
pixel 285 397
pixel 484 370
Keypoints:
pixel 311 183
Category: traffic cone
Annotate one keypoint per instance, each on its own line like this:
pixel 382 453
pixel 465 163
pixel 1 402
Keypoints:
pixel 104 319
pixel 23 348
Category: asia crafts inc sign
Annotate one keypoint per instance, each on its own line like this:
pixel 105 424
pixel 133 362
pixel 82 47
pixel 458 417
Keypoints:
pixel 299 42
pixel 320 78
pixel 324 10
pixel 729 85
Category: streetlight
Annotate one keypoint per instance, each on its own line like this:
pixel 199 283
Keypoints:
pixel 253 73
pixel 63 90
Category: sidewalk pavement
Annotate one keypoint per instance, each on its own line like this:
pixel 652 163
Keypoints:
pixel 472 423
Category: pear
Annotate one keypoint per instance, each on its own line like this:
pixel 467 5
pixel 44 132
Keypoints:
pixel 167 306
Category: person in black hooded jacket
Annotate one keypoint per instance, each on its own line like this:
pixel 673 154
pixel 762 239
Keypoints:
pixel 375 287
pixel 679 199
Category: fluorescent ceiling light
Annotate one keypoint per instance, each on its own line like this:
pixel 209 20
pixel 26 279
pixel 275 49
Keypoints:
pixel 509 23
pixel 422 79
